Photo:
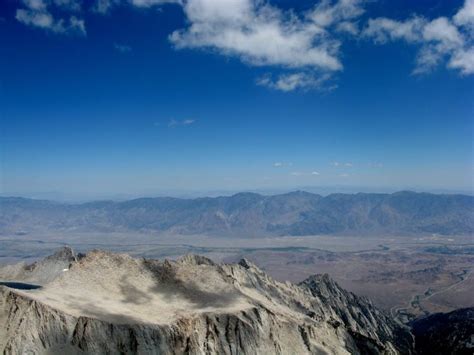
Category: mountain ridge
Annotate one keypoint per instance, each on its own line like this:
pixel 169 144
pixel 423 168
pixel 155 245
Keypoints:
pixel 113 303
pixel 295 213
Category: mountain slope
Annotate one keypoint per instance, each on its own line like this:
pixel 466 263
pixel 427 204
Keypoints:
pixel 112 303
pixel 445 333
pixel 296 213
pixel 42 271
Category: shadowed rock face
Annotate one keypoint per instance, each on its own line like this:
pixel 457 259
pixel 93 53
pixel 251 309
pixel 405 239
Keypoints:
pixel 296 213
pixel 112 303
pixel 445 333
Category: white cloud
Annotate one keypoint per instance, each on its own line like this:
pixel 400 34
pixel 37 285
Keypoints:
pixel 335 163
pixel 383 29
pixel 35 4
pixel 35 18
pixel 315 173
pixel 443 31
pixel 463 60
pixel 258 33
pixel 441 39
pixel 465 15
pixel 304 48
pixel 261 34
pixel 296 173
pixel 45 20
pixel 349 165
pixel 278 164
pixel 37 14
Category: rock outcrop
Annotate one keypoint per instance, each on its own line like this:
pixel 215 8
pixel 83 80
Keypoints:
pixel 112 303
pixel 40 272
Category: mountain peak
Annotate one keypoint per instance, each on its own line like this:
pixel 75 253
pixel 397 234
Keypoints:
pixel 193 259
pixel 137 305
pixel 64 253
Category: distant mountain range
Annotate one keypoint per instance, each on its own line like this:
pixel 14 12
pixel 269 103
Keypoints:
pixel 249 214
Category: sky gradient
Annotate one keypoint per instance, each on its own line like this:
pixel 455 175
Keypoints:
pixel 109 98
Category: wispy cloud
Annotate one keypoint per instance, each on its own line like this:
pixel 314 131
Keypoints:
pixel 348 27
pixel 122 48
pixel 443 39
pixel 302 173
pixel 174 123
pixel 294 81
pixel 36 13
pixel 105 6
pixel 150 3
pixel 339 164
pixel 280 164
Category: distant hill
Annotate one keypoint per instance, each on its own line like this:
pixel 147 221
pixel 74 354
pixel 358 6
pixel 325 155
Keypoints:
pixel 248 214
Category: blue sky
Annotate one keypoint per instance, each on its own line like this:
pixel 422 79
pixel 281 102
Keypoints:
pixel 145 97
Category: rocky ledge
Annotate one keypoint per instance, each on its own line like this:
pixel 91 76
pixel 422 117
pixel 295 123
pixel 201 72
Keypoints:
pixel 113 303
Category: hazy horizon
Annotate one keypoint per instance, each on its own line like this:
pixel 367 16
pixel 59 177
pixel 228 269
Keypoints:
pixel 191 194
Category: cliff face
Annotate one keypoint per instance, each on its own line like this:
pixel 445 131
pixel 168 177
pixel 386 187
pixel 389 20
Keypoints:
pixel 109 303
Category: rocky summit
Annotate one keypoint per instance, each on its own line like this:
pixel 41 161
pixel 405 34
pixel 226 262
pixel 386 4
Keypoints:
pixel 105 303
